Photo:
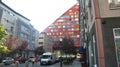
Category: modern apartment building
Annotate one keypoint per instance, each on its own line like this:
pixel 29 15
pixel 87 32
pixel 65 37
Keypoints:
pixel 46 42
pixel 67 25
pixel 18 26
pixel 101 26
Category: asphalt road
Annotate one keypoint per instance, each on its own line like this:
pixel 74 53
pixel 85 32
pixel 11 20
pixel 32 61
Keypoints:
pixel 74 64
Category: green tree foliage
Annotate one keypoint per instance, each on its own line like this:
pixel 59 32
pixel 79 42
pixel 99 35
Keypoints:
pixel 3 33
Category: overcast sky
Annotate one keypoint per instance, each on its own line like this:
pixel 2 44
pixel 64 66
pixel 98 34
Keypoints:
pixel 41 12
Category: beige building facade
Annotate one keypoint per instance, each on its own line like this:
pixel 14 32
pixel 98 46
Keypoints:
pixel 101 21
pixel 46 41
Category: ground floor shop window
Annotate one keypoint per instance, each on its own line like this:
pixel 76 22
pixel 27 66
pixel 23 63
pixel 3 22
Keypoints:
pixel 116 32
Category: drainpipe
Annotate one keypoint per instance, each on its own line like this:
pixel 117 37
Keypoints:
pixel 99 38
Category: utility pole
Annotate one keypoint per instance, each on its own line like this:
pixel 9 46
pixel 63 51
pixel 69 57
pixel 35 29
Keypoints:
pixel 60 55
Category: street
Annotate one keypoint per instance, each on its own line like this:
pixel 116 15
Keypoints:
pixel 74 64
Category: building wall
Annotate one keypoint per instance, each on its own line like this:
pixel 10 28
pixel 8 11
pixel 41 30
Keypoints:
pixel 48 44
pixel 67 25
pixel 109 8
pixel 27 32
pixel 109 42
pixel 92 48
pixel 90 14
pixel 36 38
pixel 105 45
pixel 46 41
pixel 17 25
pixel 1 11
pixel 32 38
pixel 9 22
pixel 41 39
pixel 101 17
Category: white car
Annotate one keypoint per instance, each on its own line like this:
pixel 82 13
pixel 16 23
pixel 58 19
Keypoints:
pixel 8 60
pixel 48 58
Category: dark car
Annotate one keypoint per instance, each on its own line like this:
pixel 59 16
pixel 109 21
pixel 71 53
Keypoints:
pixel 8 60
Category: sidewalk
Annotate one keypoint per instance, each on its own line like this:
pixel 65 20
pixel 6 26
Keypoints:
pixel 75 63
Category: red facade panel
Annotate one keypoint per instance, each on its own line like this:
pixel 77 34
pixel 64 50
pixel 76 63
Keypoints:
pixel 66 25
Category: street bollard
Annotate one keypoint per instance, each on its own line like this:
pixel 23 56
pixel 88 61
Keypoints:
pixel 16 63
pixel 61 61
pixel 2 65
pixel 26 64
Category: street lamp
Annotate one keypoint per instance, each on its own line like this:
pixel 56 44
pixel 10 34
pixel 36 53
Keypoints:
pixel 60 53
pixel 60 45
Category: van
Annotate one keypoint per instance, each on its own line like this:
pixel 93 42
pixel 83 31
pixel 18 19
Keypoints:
pixel 48 58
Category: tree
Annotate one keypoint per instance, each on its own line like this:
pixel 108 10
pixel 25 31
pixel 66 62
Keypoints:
pixel 39 50
pixel 12 43
pixel 67 46
pixel 23 46
pixel 3 33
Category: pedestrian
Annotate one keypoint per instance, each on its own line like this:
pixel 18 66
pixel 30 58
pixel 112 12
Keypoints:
pixel 36 59
pixel 33 61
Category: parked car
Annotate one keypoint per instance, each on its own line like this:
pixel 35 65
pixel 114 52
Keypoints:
pixel 8 60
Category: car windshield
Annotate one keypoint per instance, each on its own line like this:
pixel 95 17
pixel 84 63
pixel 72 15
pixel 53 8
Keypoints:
pixel 46 56
pixel 8 58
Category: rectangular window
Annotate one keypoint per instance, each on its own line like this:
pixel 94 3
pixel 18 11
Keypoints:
pixel 40 37
pixel 40 42
pixel 113 4
pixel 116 32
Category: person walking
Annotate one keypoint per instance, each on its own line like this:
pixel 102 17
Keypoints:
pixel 36 60
pixel 33 61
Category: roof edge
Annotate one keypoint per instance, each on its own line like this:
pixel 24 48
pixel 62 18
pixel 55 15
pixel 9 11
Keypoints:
pixel 13 10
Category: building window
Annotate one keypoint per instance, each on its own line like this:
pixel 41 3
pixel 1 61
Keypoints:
pixel 51 30
pixel 40 42
pixel 12 29
pixel 76 22
pixel 61 33
pixel 40 37
pixel 64 26
pixel 59 26
pixel 114 4
pixel 116 32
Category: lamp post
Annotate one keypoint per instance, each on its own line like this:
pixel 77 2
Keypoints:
pixel 60 53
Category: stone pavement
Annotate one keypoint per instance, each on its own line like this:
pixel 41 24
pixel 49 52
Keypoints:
pixel 75 63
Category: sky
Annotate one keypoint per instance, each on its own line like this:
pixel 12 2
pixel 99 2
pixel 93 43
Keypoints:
pixel 41 12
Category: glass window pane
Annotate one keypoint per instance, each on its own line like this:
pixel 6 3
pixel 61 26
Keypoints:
pixel 117 32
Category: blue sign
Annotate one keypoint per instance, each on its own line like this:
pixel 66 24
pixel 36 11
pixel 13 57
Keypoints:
pixel 81 49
